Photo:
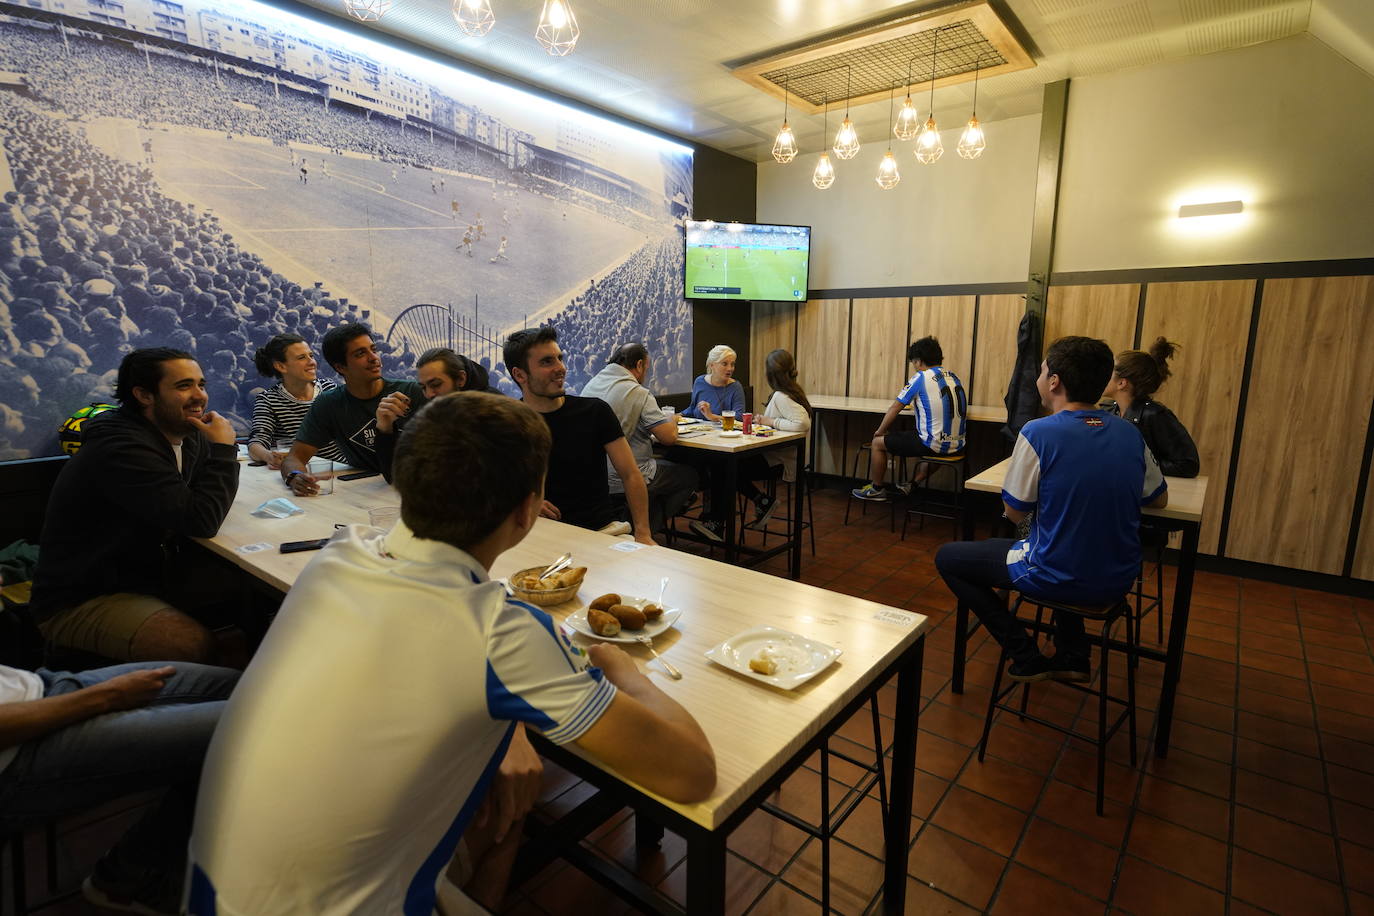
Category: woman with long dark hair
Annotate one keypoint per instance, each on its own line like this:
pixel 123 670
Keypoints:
pixel 1136 376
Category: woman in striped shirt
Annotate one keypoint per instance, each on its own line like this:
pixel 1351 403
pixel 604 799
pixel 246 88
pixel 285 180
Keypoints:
pixel 278 411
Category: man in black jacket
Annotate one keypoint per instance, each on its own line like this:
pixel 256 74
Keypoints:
pixel 159 469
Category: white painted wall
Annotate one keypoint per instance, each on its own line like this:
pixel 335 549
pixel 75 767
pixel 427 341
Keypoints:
pixel 953 221
pixel 1286 126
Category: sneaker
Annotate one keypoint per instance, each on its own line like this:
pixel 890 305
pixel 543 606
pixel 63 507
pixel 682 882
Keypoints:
pixel 1068 668
pixel 709 529
pixel 903 488
pixel 871 493
pixel 1032 670
pixel 763 509
pixel 150 893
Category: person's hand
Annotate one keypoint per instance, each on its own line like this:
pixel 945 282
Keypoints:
pixel 134 688
pixel 274 460
pixel 303 484
pixel 217 429
pixel 516 787
pixel 390 409
pixel 549 510
pixel 646 539
pixel 704 408
pixel 614 661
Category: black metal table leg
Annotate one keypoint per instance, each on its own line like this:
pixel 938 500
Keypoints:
pixel 798 502
pixel 961 612
pixel 706 873
pixel 897 820
pixel 1178 632
pixel 730 471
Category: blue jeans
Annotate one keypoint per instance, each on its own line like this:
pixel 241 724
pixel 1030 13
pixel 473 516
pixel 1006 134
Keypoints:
pixel 973 570
pixel 161 745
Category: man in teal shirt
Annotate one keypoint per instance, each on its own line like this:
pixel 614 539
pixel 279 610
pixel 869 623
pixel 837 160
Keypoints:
pixel 346 416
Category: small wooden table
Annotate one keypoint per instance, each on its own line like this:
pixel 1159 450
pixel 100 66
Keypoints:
pixel 760 734
pixel 725 452
pixel 1186 496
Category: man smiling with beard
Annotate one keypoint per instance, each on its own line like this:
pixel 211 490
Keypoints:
pixel 161 468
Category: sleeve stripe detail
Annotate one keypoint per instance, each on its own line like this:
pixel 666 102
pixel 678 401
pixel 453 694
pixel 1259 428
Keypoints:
pixel 592 709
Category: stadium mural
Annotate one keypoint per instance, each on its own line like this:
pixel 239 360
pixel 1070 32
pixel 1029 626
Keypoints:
pixel 208 174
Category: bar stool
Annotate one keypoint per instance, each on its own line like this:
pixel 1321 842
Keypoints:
pixel 1153 538
pixel 770 486
pixel 1108 614
pixel 898 474
pixel 958 465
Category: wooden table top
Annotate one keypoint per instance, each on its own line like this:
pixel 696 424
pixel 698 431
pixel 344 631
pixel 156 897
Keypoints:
pixel 755 728
pixel 1186 494
pixel 713 441
pixel 978 413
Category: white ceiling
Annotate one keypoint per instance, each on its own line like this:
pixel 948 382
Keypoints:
pixel 663 62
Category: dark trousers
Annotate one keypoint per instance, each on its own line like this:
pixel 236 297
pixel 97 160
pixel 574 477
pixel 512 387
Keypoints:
pixel 973 570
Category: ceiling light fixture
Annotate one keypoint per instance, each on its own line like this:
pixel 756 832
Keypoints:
pixel 908 119
pixel 972 142
pixel 557 30
pixel 928 145
pixel 824 175
pixel 474 17
pixel 367 10
pixel 888 176
pixel 785 144
pixel 846 138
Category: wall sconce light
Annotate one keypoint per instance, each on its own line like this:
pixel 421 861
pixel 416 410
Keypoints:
pixel 1215 208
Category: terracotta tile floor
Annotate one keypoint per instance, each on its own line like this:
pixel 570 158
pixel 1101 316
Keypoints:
pixel 1264 804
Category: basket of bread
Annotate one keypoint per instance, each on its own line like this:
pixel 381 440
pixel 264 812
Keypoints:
pixel 550 590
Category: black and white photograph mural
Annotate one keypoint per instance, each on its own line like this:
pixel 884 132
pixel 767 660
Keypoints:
pixel 208 175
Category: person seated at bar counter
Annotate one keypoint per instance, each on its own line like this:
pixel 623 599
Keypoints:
pixel 585 434
pixel 344 779
pixel 160 468
pixel 1086 475
pixel 1136 376
pixel 439 371
pixel 346 416
pixel 279 410
pixel 717 390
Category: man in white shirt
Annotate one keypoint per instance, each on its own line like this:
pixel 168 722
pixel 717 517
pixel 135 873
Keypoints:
pixel 621 385
pixel 367 739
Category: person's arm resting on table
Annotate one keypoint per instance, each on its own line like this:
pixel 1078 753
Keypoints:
pixel 665 432
pixel 1155 494
pixel 636 493
pixel 1021 486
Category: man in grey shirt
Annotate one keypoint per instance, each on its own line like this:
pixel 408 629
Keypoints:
pixel 621 385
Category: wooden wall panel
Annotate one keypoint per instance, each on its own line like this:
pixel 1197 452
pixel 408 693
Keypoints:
pixel 1364 552
pixel 774 325
pixel 1306 417
pixel 999 318
pixel 877 347
pixel 1104 312
pixel 1211 320
pixel 950 320
pixel 822 346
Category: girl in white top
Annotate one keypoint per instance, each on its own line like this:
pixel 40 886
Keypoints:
pixel 788 409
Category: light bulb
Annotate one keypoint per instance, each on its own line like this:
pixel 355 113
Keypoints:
pixel 367 10
pixel 846 140
pixel 474 17
pixel 908 121
pixel 888 175
pixel 824 175
pixel 972 143
pixel 928 145
pixel 785 145
pixel 557 30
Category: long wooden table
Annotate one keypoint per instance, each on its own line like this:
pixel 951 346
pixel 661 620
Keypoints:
pixel 760 734
pixel 725 452
pixel 1186 496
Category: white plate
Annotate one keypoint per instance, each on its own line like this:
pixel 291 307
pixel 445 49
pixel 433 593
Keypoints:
pixel 578 621
pixel 732 434
pixel 804 658
pixel 687 421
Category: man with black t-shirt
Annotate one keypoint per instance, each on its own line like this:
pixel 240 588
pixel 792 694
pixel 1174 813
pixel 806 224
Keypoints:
pixel 585 434
pixel 346 416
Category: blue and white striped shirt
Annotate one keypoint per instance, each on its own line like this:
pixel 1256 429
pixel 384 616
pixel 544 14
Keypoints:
pixel 941 409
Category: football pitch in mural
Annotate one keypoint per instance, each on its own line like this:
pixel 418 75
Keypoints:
pixel 207 175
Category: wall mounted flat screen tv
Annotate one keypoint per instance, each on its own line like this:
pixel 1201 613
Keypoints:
pixel 747 261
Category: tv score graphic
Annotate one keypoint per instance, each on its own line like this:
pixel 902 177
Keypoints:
pixel 746 261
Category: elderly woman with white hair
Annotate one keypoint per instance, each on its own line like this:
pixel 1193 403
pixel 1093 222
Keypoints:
pixel 717 390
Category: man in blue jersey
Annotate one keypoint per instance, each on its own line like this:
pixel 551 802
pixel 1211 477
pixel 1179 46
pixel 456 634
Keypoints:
pixel 1086 474
pixel 360 765
pixel 941 410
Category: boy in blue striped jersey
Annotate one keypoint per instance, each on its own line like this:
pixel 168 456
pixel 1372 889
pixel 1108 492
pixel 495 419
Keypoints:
pixel 941 409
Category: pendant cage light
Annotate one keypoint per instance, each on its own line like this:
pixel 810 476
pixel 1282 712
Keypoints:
pixel 888 176
pixel 474 17
pixel 824 175
pixel 367 10
pixel 785 144
pixel 846 138
pixel 908 119
pixel 928 145
pixel 557 30
pixel 972 142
